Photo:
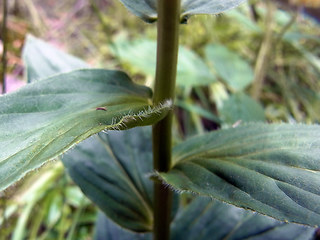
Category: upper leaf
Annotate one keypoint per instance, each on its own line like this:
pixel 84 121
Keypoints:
pixel 45 118
pixel 194 7
pixel 147 9
pixel 272 169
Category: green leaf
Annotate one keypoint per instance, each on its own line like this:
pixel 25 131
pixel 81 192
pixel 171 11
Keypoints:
pixel 107 230
pixel 147 9
pixel 141 54
pixel 43 60
pixel 244 21
pixel 198 110
pixel 112 170
pixel 271 169
pixel 46 118
pixel 239 106
pixel 205 219
pixel 193 7
pixel 233 69
pixel 312 58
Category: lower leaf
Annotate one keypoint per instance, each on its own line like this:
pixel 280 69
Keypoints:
pixel 107 230
pixel 112 170
pixel 272 169
pixel 206 219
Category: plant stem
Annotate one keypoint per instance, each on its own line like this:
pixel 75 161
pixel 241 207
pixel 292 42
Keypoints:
pixel 262 62
pixel 167 54
pixel 286 27
pixel 254 12
pixel 4 42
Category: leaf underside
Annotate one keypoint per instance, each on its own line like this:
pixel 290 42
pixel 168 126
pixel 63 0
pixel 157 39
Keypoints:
pixel 271 169
pixel 112 170
pixel 205 218
pixel 46 118
pixel 105 229
pixel 147 9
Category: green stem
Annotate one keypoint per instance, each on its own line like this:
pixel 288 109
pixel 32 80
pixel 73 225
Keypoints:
pixel 4 42
pixel 286 28
pixel 263 58
pixel 167 54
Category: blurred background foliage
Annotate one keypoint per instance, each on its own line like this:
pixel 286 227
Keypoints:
pixel 260 62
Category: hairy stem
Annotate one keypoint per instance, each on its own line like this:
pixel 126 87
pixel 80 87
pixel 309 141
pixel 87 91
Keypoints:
pixel 4 43
pixel 167 54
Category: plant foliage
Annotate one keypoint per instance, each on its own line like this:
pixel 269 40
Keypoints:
pixel 147 9
pixel 46 118
pixel 271 169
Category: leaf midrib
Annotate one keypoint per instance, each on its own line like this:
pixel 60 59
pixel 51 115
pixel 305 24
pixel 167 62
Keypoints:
pixel 131 185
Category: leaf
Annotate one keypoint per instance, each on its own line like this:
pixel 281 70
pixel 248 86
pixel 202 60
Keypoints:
pixel 193 7
pixel 141 54
pixel 233 69
pixel 46 118
pixel 239 106
pixel 112 170
pixel 243 20
pixel 107 230
pixel 205 219
pixel 310 100
pixel 198 110
pixel 43 60
pixel 271 169
pixel 312 58
pixel 147 9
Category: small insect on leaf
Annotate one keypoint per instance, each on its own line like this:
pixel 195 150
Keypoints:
pixel 101 108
